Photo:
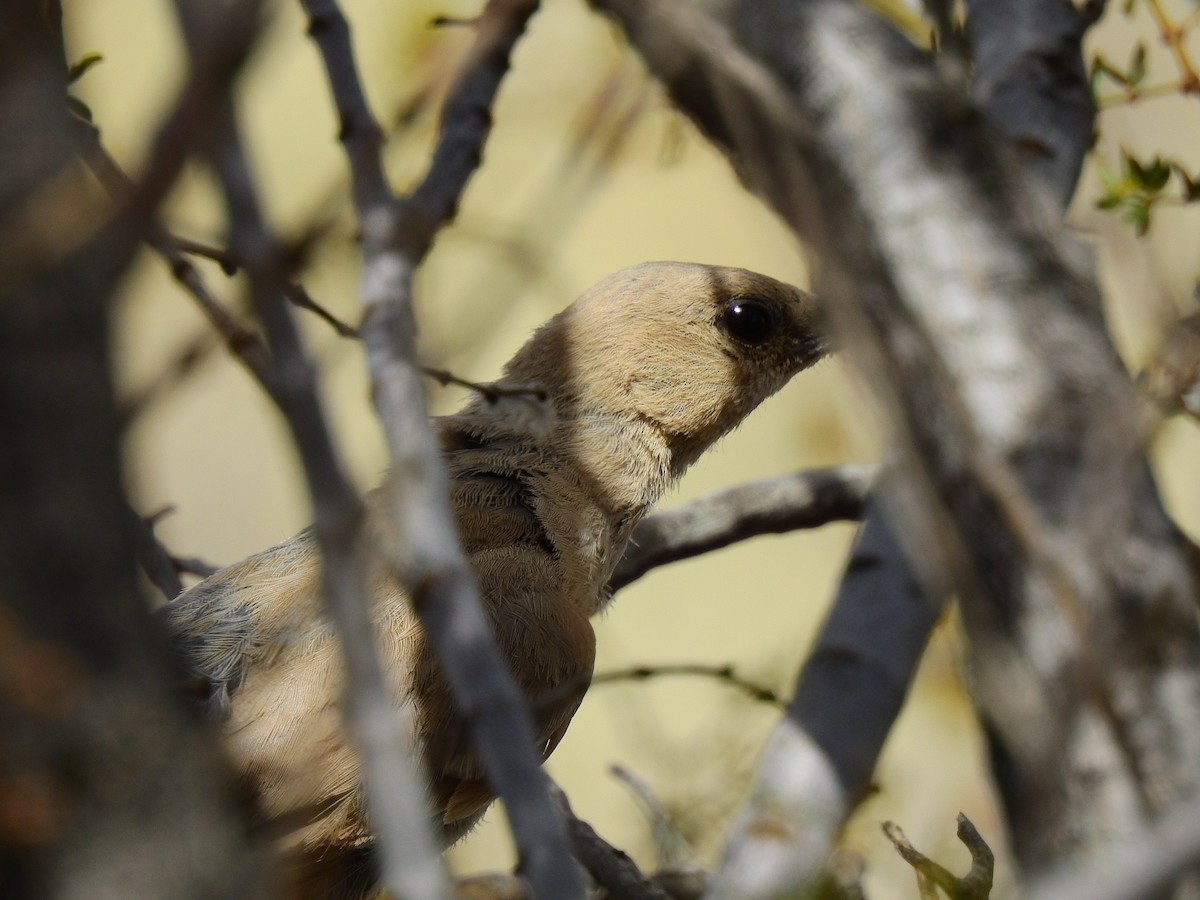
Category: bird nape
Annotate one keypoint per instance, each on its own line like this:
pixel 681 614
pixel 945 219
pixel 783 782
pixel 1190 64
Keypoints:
pixel 636 378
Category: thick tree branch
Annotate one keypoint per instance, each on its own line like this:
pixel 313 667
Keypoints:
pixel 427 556
pixel 1030 79
pixel 1145 867
pixel 864 657
pixel 869 648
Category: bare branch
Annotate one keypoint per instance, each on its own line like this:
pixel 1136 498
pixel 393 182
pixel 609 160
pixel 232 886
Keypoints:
pixel 773 506
pixel 409 860
pixel 219 255
pixel 675 854
pixel 155 560
pixel 184 361
pixel 724 674
pixel 242 342
pixel 975 885
pixel 869 647
pixel 299 296
pixel 865 656
pixel 490 392
pixel 612 869
pixel 466 121
pixel 426 555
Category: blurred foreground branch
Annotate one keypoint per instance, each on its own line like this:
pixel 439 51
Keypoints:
pixel 957 296
pixel 108 787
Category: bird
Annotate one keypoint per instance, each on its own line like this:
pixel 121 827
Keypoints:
pixel 634 381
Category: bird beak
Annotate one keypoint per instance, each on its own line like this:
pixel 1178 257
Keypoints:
pixel 809 346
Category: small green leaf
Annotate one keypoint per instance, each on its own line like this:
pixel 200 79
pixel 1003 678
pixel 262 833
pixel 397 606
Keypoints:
pixel 1138 215
pixel 1109 201
pixel 1191 187
pixel 80 68
pixel 1135 170
pixel 1137 66
pixel 1113 183
pixel 1156 173
pixel 1101 66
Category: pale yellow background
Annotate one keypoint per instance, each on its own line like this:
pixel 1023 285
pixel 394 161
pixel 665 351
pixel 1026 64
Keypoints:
pixel 550 213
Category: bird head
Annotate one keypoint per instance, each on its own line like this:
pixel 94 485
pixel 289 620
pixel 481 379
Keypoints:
pixel 686 349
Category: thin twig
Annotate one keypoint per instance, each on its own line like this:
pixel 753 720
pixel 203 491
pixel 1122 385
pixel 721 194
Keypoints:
pixel 725 674
pixel 675 854
pixel 190 565
pixel 156 561
pixel 243 343
pixel 219 255
pixel 176 250
pixel 183 363
pixel 193 565
pixel 299 296
pixel 489 391
pixel 975 885
pixel 1173 36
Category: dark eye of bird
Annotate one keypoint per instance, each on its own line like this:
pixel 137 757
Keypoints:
pixel 749 320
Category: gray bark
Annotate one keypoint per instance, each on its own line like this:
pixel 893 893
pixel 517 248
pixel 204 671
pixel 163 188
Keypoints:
pixel 956 293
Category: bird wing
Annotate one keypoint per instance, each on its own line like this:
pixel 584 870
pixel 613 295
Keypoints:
pixel 470 792
pixel 243 616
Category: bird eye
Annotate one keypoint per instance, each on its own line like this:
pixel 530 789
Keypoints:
pixel 749 320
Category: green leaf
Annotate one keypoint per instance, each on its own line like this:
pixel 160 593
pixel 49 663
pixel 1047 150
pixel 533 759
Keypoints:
pixel 1110 201
pixel 79 69
pixel 1141 174
pixel 1113 183
pixel 1191 187
pixel 1138 215
pixel 1101 66
pixel 1157 173
pixel 1136 72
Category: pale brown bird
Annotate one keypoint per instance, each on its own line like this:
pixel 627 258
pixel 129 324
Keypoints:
pixel 641 374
